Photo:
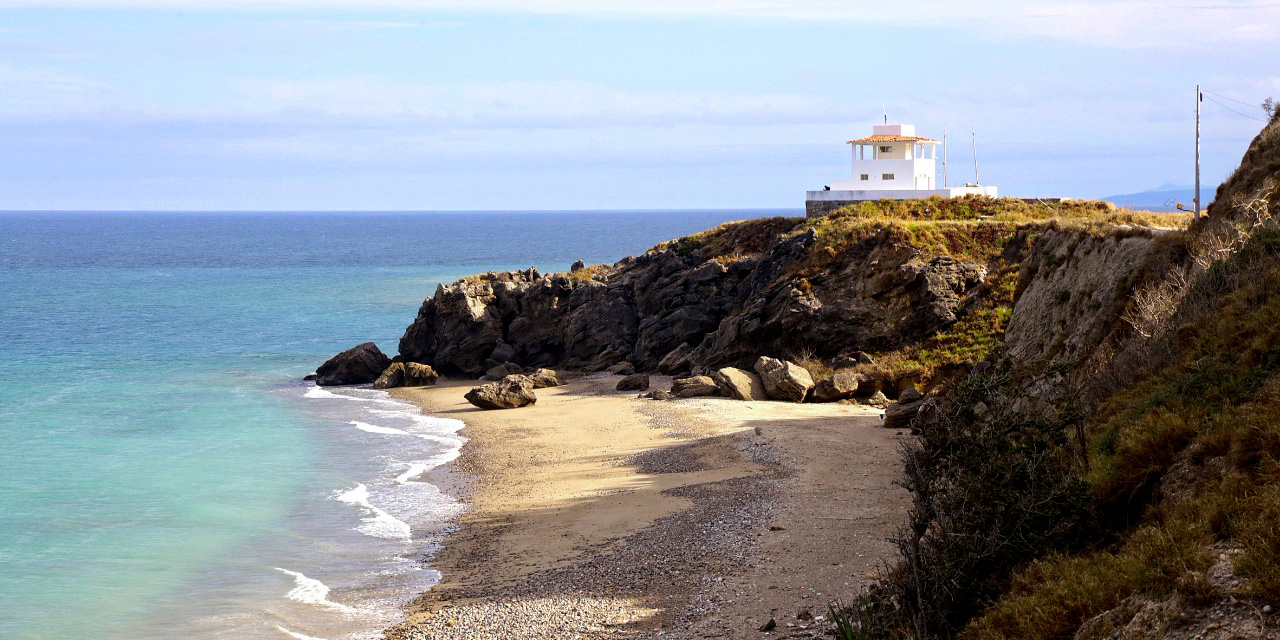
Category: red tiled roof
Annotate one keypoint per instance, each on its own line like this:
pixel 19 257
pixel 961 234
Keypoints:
pixel 876 139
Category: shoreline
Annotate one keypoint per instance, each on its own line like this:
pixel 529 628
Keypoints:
pixel 600 515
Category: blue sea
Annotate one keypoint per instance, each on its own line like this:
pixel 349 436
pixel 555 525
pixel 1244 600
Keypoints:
pixel 165 473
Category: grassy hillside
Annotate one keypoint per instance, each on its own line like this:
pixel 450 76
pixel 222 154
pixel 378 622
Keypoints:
pixel 1149 505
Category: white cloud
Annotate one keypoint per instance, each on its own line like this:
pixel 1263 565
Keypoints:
pixel 533 104
pixel 1115 23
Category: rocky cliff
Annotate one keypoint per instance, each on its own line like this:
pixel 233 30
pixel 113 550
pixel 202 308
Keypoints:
pixel 1114 470
pixel 775 286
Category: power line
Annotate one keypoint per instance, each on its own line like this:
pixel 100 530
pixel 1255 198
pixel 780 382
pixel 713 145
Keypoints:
pixel 1244 115
pixel 1247 104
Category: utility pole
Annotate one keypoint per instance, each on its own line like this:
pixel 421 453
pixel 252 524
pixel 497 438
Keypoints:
pixel 1199 99
pixel 976 182
pixel 944 157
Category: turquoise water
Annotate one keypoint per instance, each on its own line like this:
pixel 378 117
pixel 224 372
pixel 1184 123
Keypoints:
pixel 163 471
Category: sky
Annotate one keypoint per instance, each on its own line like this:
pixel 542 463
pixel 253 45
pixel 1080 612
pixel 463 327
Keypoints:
pixel 625 104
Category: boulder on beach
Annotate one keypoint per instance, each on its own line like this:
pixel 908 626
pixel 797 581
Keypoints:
pixel 634 382
pixel 406 374
pixel 543 378
pixel 508 393
pixel 877 400
pixel 657 394
pixel 784 380
pixel 693 387
pixel 622 369
pixel 900 414
pixel 841 386
pixel 736 383
pixel 358 365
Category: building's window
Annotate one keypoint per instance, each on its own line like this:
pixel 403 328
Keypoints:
pixel 886 149
pixel 866 177
pixel 887 176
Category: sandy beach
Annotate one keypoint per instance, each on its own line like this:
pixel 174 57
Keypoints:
pixel 596 514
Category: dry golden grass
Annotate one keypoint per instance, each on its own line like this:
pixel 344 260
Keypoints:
pixel 1214 413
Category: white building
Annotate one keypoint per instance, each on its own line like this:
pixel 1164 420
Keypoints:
pixel 892 163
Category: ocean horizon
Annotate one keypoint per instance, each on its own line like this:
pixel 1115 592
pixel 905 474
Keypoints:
pixel 166 473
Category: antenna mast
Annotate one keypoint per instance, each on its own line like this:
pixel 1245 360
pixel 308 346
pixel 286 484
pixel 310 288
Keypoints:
pixel 1199 99
pixel 976 182
pixel 944 156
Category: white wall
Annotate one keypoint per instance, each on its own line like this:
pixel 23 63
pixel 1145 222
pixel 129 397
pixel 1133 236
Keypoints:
pixel 910 173
pixel 840 194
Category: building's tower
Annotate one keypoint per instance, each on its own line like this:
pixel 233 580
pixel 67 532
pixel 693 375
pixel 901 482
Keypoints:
pixel 894 158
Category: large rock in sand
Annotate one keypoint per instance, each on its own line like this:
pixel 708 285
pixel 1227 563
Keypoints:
pixel 634 382
pixel 406 374
pixel 508 393
pixel 784 380
pixel 543 378
pixel 840 386
pixel 693 387
pixel 357 365
pixel 736 383
pixel 900 414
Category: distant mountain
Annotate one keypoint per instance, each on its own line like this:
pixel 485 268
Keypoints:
pixel 1164 197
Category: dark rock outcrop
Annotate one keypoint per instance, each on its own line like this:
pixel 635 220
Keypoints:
pixel 634 382
pixel 677 360
pixel 784 380
pixel 358 365
pixel 501 371
pixel 406 374
pixel 739 384
pixel 509 393
pixel 678 310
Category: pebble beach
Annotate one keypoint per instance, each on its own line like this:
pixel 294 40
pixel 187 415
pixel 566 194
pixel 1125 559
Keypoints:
pixel 597 514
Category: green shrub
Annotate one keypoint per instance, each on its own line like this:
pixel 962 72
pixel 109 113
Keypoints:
pixel 993 487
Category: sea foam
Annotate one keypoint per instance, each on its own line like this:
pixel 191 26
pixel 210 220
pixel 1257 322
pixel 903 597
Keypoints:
pixel 415 469
pixel 295 634
pixel 428 423
pixel 373 428
pixel 311 591
pixel 378 523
